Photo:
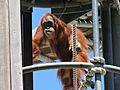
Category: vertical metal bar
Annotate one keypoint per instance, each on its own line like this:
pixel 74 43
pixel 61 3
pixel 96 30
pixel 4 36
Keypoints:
pixel 27 46
pixel 74 55
pixel 116 44
pixel 95 27
pixel 96 39
pixel 107 43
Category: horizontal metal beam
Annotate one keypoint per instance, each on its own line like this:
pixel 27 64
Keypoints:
pixel 76 9
pixel 49 4
pixel 111 68
pixel 62 65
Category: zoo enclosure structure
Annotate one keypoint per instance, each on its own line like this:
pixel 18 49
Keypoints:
pixel 11 57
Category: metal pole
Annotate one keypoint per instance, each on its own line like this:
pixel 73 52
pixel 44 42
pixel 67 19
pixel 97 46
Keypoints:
pixel 26 18
pixel 96 39
pixel 61 65
pixel 113 69
pixel 116 44
pixel 107 43
pixel 95 27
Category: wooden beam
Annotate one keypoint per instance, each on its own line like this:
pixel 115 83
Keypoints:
pixel 4 47
pixel 15 45
pixel 10 53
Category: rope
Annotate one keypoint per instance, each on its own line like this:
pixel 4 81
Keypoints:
pixel 116 4
pixel 74 56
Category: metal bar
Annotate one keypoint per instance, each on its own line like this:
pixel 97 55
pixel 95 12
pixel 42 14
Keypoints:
pixel 96 39
pixel 72 12
pixel 95 27
pixel 36 67
pixel 115 20
pixel 111 68
pixel 26 19
pixel 49 4
pixel 107 43
pixel 63 65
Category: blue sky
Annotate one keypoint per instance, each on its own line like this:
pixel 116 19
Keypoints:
pixel 46 79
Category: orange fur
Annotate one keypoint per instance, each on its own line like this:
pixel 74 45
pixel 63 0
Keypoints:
pixel 60 44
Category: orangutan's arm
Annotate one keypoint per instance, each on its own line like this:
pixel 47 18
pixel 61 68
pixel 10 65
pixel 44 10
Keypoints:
pixel 36 42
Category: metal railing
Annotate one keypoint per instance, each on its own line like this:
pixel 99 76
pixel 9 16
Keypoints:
pixel 63 65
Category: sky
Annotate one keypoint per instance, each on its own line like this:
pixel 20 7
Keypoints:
pixel 46 79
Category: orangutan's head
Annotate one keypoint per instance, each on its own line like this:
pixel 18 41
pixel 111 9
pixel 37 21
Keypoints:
pixel 48 26
pixel 52 26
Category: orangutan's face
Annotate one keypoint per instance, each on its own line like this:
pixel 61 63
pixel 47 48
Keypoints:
pixel 48 26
